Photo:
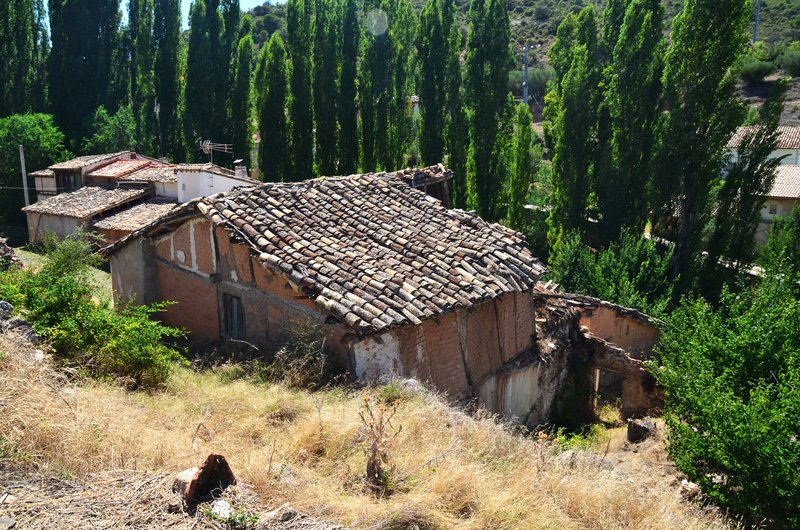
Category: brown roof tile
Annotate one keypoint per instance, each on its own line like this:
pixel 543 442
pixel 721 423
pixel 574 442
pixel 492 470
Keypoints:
pixel 373 251
pixel 87 201
pixel 152 173
pixel 787 182
pixel 82 161
pixel 137 216
pixel 118 169
pixel 788 137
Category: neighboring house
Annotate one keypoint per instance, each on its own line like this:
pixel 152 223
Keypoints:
pixel 788 143
pixel 399 284
pixel 64 206
pixel 784 195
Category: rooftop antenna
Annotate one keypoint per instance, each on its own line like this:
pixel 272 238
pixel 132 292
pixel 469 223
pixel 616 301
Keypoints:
pixel 209 147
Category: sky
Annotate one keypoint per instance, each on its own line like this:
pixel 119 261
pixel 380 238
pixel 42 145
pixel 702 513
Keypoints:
pixel 246 6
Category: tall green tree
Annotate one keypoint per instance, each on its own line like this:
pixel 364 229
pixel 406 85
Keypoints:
pixel 301 114
pixel 744 190
pixel 347 105
pixel 199 92
pixel 241 123
pixel 166 40
pixel 374 84
pixel 632 97
pixel 571 122
pixel 433 55
pixel 613 18
pixel 402 30
pixel 84 36
pixel 44 145
pixel 522 168
pixel 227 58
pixel 110 132
pixel 781 253
pixel 703 112
pixel 16 46
pixel 274 158
pixel 140 21
pixel 326 70
pixel 457 125
pixel 486 76
pixel 41 51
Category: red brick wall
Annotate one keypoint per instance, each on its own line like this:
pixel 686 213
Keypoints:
pixel 196 309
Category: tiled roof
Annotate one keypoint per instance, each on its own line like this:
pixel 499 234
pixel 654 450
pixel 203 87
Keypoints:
pixel 788 137
pixel 47 173
pixel 215 169
pixel 82 161
pixel 137 216
pixel 118 169
pixel 87 201
pixel 152 173
pixel 373 251
pixel 787 182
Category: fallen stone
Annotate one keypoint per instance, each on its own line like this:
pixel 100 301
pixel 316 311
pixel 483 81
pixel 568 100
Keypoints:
pixel 689 490
pixel 7 523
pixel 5 310
pixel 198 483
pixel 640 430
pixel 7 498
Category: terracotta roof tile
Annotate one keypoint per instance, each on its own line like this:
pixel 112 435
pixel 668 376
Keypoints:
pixel 787 182
pixel 87 201
pixel 788 137
pixel 118 169
pixel 138 216
pixel 82 161
pixel 152 173
pixel 373 251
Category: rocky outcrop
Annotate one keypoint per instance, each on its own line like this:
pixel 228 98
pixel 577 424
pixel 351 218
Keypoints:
pixel 9 323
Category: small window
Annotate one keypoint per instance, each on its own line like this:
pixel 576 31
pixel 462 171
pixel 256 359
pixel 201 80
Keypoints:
pixel 232 316
pixel 773 209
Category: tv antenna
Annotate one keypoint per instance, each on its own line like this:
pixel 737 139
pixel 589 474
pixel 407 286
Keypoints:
pixel 209 147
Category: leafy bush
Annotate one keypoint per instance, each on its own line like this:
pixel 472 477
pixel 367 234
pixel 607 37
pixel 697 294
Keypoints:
pixel 109 133
pixel 731 377
pixel 632 272
pixel 57 299
pixel 755 70
pixel 790 62
pixel 782 251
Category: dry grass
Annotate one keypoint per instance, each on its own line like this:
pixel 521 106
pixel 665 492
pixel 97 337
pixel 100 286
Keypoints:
pixel 307 449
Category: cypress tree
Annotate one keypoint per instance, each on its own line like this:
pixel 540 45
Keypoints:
pixel 326 67
pixel 240 101
pixel 142 81
pixel 401 33
pixel 41 49
pixel 199 92
pixel 522 167
pixel 488 63
pixel 432 51
pixel 166 40
pixel 457 132
pixel 299 15
pixel 632 97
pixel 227 61
pixel 16 47
pixel 84 36
pixel 703 112
pixel 274 158
pixel 374 85
pixel 347 105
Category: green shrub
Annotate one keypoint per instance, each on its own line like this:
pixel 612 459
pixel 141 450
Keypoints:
pixel 754 70
pixel 731 377
pixel 633 272
pixel 790 62
pixel 91 335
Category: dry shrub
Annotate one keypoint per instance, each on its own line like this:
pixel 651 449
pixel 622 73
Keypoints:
pixel 457 470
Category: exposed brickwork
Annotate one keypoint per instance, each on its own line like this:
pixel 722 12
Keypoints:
pixel 443 353
pixel 197 307
pixel 204 257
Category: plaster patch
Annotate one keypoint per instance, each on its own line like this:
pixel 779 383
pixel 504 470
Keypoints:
pixel 374 359
pixel 181 256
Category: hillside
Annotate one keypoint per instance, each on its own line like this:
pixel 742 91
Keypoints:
pixel 536 21
pixel 95 455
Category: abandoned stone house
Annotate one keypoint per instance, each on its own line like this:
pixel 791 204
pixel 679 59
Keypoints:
pixel 398 283
pixel 116 193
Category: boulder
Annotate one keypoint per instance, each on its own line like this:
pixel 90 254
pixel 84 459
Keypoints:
pixel 640 430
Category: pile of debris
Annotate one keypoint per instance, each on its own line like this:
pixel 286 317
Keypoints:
pixel 8 258
pixel 10 323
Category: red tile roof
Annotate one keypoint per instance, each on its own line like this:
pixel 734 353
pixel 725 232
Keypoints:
pixel 87 201
pixel 787 183
pixel 788 137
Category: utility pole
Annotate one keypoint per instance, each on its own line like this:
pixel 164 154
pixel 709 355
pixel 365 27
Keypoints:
pixel 24 175
pixel 758 17
pixel 525 76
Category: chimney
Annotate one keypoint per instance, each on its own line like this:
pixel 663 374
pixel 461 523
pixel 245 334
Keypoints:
pixel 241 172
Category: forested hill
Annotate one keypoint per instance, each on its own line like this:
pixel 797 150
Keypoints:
pixel 536 21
